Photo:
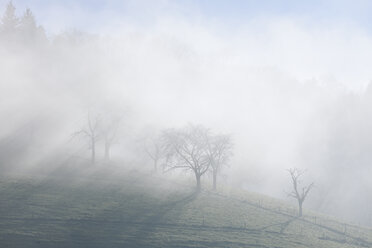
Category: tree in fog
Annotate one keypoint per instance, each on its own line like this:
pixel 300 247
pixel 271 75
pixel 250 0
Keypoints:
pixel 187 148
pixel 29 29
pixel 9 21
pixel 28 21
pixel 110 127
pixel 219 151
pixel 91 132
pixel 153 148
pixel 299 193
pixel 22 30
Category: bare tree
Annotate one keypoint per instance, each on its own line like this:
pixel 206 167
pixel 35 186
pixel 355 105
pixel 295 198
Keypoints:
pixel 110 128
pixel 91 132
pixel 299 194
pixel 153 148
pixel 219 151
pixel 187 149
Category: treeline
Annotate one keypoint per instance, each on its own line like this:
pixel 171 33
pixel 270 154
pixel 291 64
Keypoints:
pixel 20 29
pixel 193 148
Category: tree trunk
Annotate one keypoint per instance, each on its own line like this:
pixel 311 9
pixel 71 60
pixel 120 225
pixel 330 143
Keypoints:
pixel 299 208
pixel 198 184
pixel 93 159
pixel 107 151
pixel 214 179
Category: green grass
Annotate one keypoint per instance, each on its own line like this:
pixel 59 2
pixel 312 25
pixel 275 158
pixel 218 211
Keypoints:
pixel 137 210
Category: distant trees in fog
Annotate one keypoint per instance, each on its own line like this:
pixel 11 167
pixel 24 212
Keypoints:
pixel 90 131
pixel 101 128
pixel 110 127
pixel 20 29
pixel 219 153
pixel 154 150
pixel 195 148
pixel 9 21
pixel 187 148
pixel 299 192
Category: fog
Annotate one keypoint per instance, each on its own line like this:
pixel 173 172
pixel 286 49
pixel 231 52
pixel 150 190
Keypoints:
pixel 290 93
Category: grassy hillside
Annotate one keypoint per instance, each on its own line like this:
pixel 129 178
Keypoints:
pixel 136 210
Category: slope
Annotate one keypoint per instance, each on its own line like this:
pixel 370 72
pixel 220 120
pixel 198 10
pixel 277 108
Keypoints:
pixel 132 209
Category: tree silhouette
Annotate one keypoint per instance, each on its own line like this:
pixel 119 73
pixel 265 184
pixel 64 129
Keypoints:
pixel 91 132
pixel 29 30
pixel 298 194
pixel 187 149
pixel 28 24
pixel 153 148
pixel 219 151
pixel 22 30
pixel 9 22
pixel 110 130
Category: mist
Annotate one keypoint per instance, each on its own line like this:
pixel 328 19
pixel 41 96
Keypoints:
pixel 290 92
